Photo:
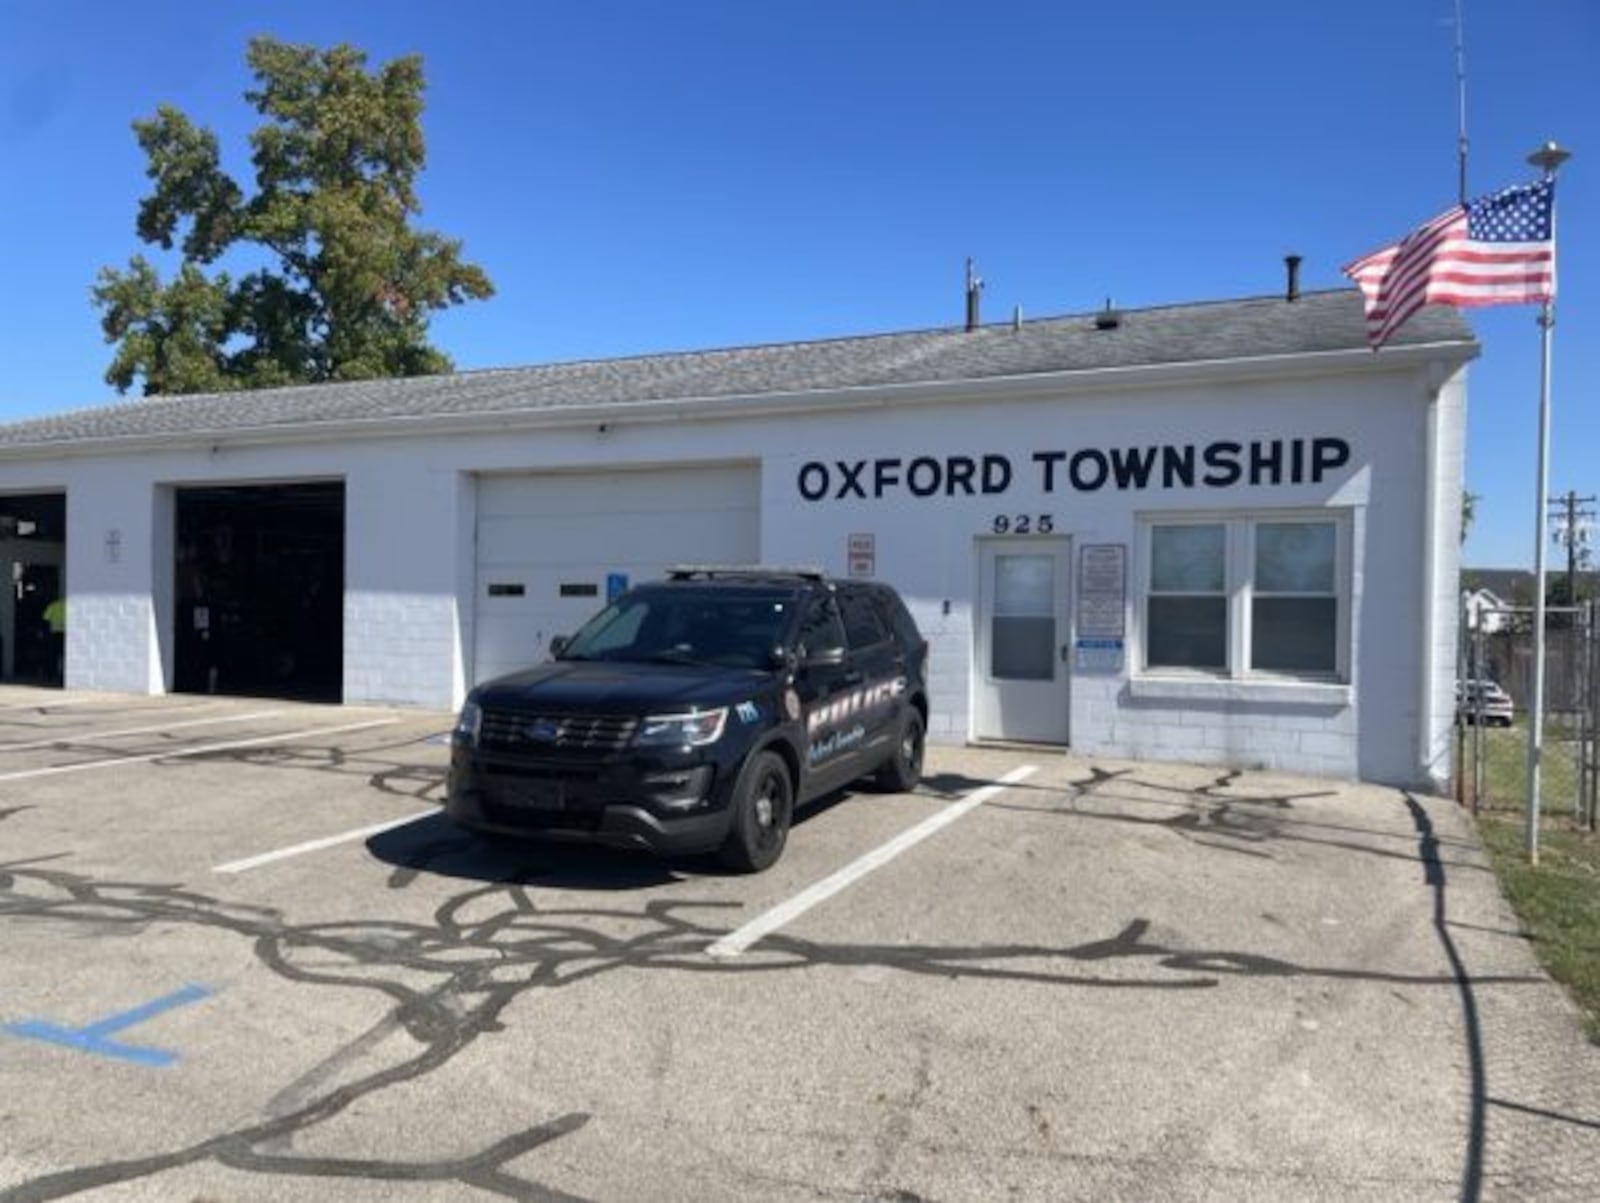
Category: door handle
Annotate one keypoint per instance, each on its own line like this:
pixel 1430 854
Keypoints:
pixel 1066 652
pixel 853 677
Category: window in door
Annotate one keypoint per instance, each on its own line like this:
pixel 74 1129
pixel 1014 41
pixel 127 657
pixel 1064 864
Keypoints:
pixel 1022 630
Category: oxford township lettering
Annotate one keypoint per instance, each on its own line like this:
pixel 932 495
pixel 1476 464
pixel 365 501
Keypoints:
pixel 1223 464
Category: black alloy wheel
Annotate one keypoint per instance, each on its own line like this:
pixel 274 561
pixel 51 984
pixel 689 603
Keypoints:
pixel 901 772
pixel 763 808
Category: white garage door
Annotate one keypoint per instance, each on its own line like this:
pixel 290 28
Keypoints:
pixel 549 544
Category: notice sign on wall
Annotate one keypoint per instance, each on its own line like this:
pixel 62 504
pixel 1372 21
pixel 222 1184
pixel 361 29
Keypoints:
pixel 862 555
pixel 1102 590
pixel 1102 606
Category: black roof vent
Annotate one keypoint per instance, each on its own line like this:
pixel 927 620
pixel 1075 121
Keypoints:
pixel 1108 318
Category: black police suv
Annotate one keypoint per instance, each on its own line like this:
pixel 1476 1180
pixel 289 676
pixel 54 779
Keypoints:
pixel 695 713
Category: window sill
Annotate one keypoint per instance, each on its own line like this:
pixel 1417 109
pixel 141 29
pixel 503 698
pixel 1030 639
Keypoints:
pixel 1217 689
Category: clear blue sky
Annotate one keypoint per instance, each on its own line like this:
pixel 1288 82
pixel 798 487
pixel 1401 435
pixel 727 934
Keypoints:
pixel 652 176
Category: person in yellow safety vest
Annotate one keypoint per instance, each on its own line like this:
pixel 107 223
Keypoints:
pixel 55 615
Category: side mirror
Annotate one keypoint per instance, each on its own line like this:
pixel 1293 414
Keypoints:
pixel 558 644
pixel 828 657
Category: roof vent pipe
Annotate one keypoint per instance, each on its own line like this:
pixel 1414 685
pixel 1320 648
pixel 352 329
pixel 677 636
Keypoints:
pixel 974 287
pixel 1292 264
pixel 1108 318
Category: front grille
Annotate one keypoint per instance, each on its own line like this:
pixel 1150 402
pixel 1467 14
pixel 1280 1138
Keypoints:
pixel 583 821
pixel 530 732
pixel 541 770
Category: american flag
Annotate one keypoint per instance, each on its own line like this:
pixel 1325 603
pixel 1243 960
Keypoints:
pixel 1497 250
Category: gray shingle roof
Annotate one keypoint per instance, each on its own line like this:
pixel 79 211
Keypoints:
pixel 1207 332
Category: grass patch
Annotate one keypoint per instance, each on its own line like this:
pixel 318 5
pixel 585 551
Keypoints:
pixel 1505 769
pixel 1558 900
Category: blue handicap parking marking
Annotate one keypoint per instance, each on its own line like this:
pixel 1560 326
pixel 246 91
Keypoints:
pixel 93 1039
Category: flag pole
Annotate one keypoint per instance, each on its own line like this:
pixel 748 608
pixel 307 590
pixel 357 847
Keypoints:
pixel 1547 158
pixel 1461 108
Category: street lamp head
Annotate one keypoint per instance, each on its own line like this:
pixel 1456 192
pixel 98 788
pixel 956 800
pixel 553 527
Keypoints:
pixel 1548 157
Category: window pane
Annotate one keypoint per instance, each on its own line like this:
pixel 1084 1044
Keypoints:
pixel 821 630
pixel 619 630
pixel 1294 634
pixel 1025 585
pixel 1294 557
pixel 1187 632
pixel 1024 649
pixel 863 625
pixel 1188 559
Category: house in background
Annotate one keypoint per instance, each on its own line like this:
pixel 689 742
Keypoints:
pixel 1498 633
pixel 1487 589
pixel 1486 610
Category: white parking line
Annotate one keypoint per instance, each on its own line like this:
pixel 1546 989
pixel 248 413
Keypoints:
pixel 177 754
pixel 344 837
pixel 193 722
pixel 736 942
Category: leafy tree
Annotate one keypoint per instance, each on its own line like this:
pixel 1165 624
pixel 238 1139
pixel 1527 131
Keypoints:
pixel 348 285
pixel 1469 511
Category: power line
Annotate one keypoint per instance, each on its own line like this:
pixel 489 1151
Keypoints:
pixel 1573 522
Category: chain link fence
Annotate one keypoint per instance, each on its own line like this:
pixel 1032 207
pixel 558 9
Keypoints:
pixel 1492 746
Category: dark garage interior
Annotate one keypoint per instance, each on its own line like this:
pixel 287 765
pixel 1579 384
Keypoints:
pixel 259 594
pixel 33 541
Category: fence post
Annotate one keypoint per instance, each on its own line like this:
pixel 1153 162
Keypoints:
pixel 1477 718
pixel 1463 633
pixel 1591 736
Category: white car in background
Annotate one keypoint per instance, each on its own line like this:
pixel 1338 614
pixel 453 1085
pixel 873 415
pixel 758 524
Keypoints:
pixel 1485 698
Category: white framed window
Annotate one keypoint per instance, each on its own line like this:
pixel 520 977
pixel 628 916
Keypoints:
pixel 1255 595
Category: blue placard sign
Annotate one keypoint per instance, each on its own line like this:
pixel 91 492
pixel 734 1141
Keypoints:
pixel 1099 655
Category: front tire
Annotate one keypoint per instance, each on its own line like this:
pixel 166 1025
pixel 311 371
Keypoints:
pixel 901 772
pixel 763 807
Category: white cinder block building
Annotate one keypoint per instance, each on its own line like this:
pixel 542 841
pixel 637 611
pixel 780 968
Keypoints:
pixel 1223 532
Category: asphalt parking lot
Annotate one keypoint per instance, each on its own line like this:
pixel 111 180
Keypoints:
pixel 242 957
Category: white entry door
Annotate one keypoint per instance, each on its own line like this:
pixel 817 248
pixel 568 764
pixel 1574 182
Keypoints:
pixel 1023 627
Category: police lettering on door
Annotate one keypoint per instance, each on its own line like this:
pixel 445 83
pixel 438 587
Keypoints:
pixel 856 701
pixel 860 701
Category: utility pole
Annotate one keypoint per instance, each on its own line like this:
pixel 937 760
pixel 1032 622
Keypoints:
pixel 1572 530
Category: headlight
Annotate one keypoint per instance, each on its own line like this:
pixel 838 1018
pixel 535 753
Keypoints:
pixel 682 730
pixel 467 724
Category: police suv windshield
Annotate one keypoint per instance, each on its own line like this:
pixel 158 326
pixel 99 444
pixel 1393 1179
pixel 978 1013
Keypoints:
pixel 724 628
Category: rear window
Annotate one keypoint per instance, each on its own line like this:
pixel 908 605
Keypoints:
pixel 905 627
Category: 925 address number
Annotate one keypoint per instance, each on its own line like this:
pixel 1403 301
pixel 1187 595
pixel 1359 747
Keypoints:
pixel 1023 524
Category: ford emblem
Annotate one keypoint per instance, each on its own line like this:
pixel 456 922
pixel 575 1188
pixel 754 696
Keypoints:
pixel 542 731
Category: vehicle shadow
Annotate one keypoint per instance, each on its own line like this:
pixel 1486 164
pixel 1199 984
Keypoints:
pixel 439 847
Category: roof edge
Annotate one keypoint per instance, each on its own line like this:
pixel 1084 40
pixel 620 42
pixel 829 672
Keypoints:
pixel 1453 354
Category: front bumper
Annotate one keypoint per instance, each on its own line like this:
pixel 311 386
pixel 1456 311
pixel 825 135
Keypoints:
pixel 619 804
